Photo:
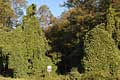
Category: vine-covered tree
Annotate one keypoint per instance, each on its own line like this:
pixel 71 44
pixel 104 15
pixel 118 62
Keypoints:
pixel 26 47
pixel 101 60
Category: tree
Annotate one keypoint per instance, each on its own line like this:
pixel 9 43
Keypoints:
pixel 6 13
pixel 17 6
pixel 34 61
pixel 9 9
pixel 86 5
pixel 26 48
pixel 45 16
pixel 110 27
pixel 101 59
pixel 92 5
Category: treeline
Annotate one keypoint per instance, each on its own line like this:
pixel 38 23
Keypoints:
pixel 82 44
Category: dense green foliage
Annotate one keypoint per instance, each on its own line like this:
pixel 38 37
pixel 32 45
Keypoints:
pixel 87 41
pixel 26 47
pixel 102 56
pixel 82 44
pixel 110 20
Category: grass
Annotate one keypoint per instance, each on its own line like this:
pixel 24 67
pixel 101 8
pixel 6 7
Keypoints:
pixel 3 78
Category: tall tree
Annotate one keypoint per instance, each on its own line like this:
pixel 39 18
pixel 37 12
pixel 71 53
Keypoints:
pixel 93 6
pixel 6 13
pixel 44 15
pixel 9 9
pixel 101 59
pixel 18 5
pixel 25 48
pixel 34 61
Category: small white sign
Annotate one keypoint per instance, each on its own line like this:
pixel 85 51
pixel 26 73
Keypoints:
pixel 49 68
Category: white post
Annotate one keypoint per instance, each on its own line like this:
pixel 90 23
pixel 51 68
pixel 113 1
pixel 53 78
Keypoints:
pixel 49 69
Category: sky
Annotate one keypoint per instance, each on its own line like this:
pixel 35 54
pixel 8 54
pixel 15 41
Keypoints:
pixel 54 5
